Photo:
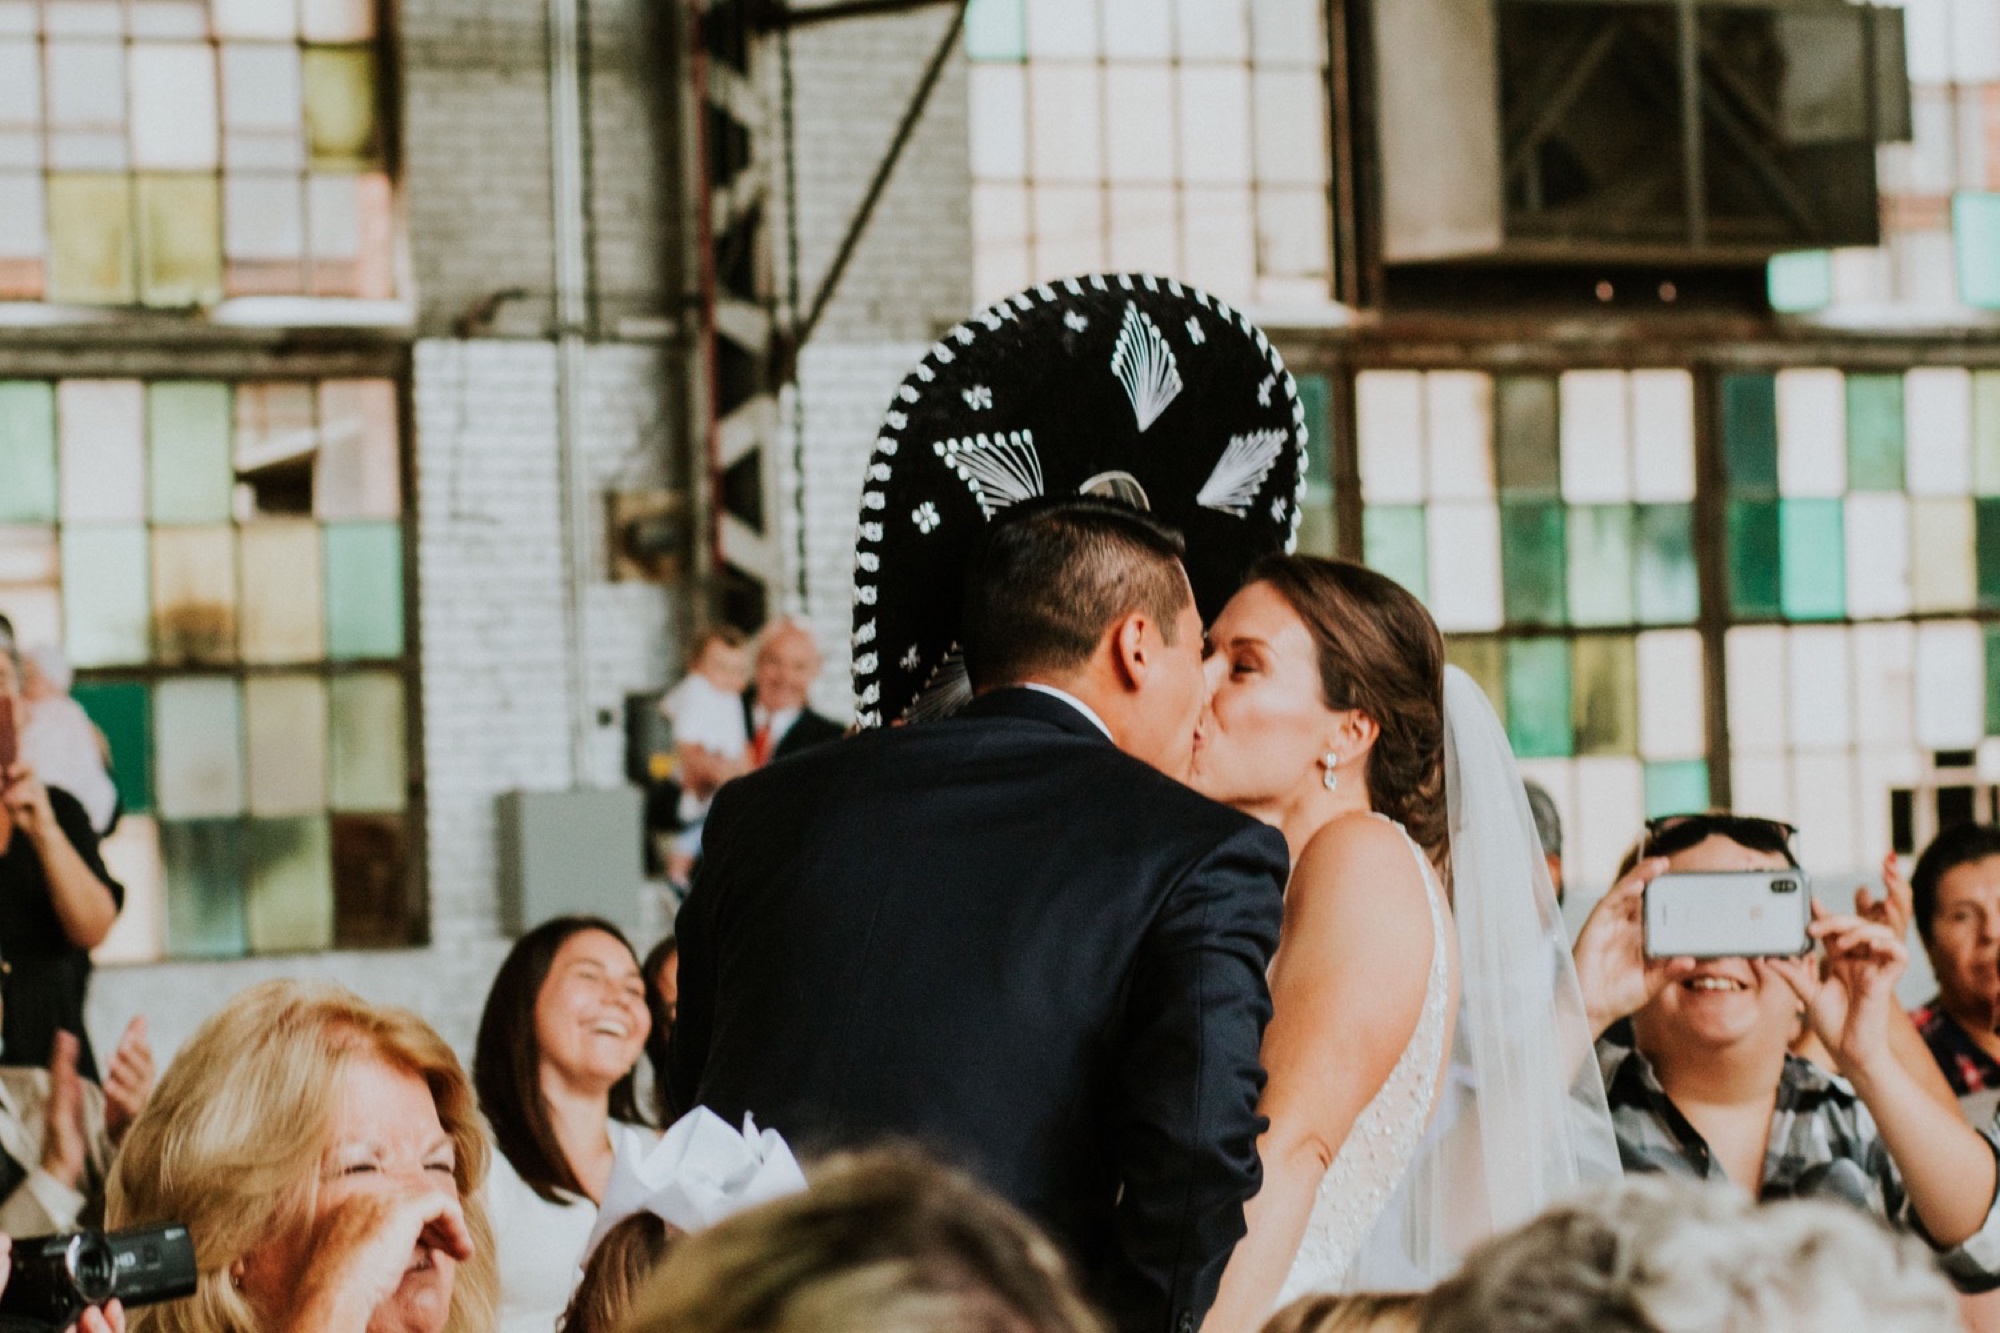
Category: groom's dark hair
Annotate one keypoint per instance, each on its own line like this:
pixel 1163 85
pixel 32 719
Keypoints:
pixel 1050 577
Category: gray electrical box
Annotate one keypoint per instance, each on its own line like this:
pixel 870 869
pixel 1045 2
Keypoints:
pixel 570 853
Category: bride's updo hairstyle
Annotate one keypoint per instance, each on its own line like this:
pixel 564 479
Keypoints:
pixel 1380 653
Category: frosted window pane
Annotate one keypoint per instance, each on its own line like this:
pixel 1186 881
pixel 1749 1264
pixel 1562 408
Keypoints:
pixel 1288 32
pixel 194 595
pixel 132 855
pixel 1951 693
pixel 1069 230
pixel 1986 433
pixel 188 428
pixel 1878 578
pixel 1672 716
pixel 1937 432
pixel 358 472
pixel 1140 140
pixel 1885 663
pixel 27 452
pixel 1221 236
pixel 1458 419
pixel 1945 572
pixel 1605 702
pixel 282 605
pixel 169 18
pixel 1212 30
pixel 1215 124
pixel 1822 705
pixel 288 885
pixel 254 18
pixel 286 716
pixel 20 85
pixel 1464 566
pixel 264 221
pixel 337 20
pixel 1812 433
pixel 364 590
pixel 1610 814
pixel 1757 672
pixel 1145 230
pixel 1062 28
pixel 1390 408
pixel 1600 549
pixel 1761 785
pixel 1292 232
pixel 341 127
pixel 37 612
pixel 1662 436
pixel 1291 120
pixel 1823 788
pixel 28 555
pixel 86 88
pixel 102 428
pixel 1138 29
pixel 1526 437
pixel 1064 135
pixel 262 87
pixel 198 745
pixel 999 122
pixel 180 240
pixel 370 765
pixel 174 112
pixel 1975 41
pixel 23 234
pixel 90 222
pixel 1000 240
pixel 1877 773
pixel 1595 437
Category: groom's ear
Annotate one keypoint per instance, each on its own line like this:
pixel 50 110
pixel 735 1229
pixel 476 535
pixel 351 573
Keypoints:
pixel 1131 643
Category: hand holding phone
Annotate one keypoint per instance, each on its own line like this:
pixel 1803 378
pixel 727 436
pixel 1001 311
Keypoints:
pixel 1729 914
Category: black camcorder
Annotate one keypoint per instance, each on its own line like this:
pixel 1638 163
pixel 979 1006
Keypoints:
pixel 57 1278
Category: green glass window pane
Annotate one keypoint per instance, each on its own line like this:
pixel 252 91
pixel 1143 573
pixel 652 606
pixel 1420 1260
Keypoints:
pixel 342 131
pixel 1532 563
pixel 1944 563
pixel 1875 432
pixel 1393 542
pixel 123 711
pixel 1677 788
pixel 282 619
pixel 1750 433
pixel 1485 660
pixel 1754 546
pixel 1666 586
pixel 1975 231
pixel 289 885
pixel 204 860
pixel 1800 281
pixel 187 432
pixel 1605 700
pixel 1526 437
pixel 995 30
pixel 27 451
pixel 105 607
pixel 1538 698
pixel 180 240
pixel 198 747
pixel 1987 525
pixel 370 764
pixel 1316 398
pixel 194 594
pixel 285 717
pixel 1600 539
pixel 376 905
pixel 1986 432
pixel 90 232
pixel 1319 534
pixel 1813 566
pixel 364 590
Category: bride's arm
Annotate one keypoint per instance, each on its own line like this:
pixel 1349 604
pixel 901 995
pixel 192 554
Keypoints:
pixel 1347 990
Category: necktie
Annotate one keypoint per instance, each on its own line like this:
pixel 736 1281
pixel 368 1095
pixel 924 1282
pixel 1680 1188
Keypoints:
pixel 760 747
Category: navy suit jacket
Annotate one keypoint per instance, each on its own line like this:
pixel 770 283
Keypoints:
pixel 1000 938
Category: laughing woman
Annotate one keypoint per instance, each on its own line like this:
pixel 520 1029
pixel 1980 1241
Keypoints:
pixel 563 1028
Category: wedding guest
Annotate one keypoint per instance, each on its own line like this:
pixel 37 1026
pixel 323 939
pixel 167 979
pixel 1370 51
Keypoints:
pixel 1708 1088
pixel 1659 1256
pixel 1358 1312
pixel 58 1133
pixel 61 742
pixel 57 902
pixel 616 1272
pixel 1548 830
pixel 782 721
pixel 1955 901
pixel 883 1242
pixel 326 1154
pixel 662 970
pixel 553 1063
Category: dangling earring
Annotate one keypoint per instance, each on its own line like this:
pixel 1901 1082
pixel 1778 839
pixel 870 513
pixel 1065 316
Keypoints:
pixel 1332 761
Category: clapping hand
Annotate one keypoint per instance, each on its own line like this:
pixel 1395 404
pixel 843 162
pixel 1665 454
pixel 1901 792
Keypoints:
pixel 1847 998
pixel 27 801
pixel 1612 969
pixel 128 1081
pixel 65 1142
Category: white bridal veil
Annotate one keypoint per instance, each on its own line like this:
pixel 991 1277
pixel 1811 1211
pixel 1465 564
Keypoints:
pixel 1521 1119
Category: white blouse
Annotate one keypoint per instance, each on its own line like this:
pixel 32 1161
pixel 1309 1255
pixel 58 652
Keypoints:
pixel 540 1244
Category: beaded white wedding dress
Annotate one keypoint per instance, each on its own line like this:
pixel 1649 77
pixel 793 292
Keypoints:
pixel 1385 1136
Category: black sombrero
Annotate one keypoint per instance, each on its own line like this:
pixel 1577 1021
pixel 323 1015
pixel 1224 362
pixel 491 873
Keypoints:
pixel 1137 388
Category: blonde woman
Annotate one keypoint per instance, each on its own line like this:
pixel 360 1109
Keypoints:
pixel 327 1155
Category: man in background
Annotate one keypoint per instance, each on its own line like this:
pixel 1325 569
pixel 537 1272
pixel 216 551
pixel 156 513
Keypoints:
pixel 781 720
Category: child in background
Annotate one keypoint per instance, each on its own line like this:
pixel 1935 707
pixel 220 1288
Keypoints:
pixel 615 1271
pixel 711 734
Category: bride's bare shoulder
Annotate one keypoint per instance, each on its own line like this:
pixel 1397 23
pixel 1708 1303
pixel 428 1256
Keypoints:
pixel 1358 853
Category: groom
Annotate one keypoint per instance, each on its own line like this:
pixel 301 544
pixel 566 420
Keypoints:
pixel 1012 936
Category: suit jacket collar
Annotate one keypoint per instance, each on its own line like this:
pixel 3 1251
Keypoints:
pixel 1018 701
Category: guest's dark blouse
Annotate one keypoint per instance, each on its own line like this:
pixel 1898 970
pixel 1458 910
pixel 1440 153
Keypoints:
pixel 47 975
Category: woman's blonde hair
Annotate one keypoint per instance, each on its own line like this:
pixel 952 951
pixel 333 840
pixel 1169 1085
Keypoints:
pixel 884 1242
pixel 1356 1312
pixel 230 1142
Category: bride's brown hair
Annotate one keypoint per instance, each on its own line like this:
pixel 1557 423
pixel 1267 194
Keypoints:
pixel 1380 653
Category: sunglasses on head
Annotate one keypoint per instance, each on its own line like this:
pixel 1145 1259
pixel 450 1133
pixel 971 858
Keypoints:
pixel 1670 834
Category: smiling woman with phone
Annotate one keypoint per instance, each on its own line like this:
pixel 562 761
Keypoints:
pixel 1704 1084
pixel 57 901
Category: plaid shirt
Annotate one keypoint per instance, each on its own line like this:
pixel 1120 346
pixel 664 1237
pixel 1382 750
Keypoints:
pixel 1824 1144
pixel 1966 1067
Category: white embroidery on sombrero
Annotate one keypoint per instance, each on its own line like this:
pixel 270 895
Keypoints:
pixel 1002 470
pixel 913 658
pixel 948 690
pixel 979 397
pixel 1240 472
pixel 1145 365
pixel 925 516
pixel 1077 321
pixel 865 664
pixel 864 633
pixel 867 562
pixel 871 532
pixel 1196 335
pixel 1264 390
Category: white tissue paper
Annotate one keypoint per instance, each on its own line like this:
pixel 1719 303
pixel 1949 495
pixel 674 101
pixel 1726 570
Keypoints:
pixel 697 1173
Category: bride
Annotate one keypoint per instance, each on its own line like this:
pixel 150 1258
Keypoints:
pixel 1405 1126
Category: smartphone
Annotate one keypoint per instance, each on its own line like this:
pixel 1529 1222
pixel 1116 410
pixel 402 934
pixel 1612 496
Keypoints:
pixel 10 746
pixel 1729 914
